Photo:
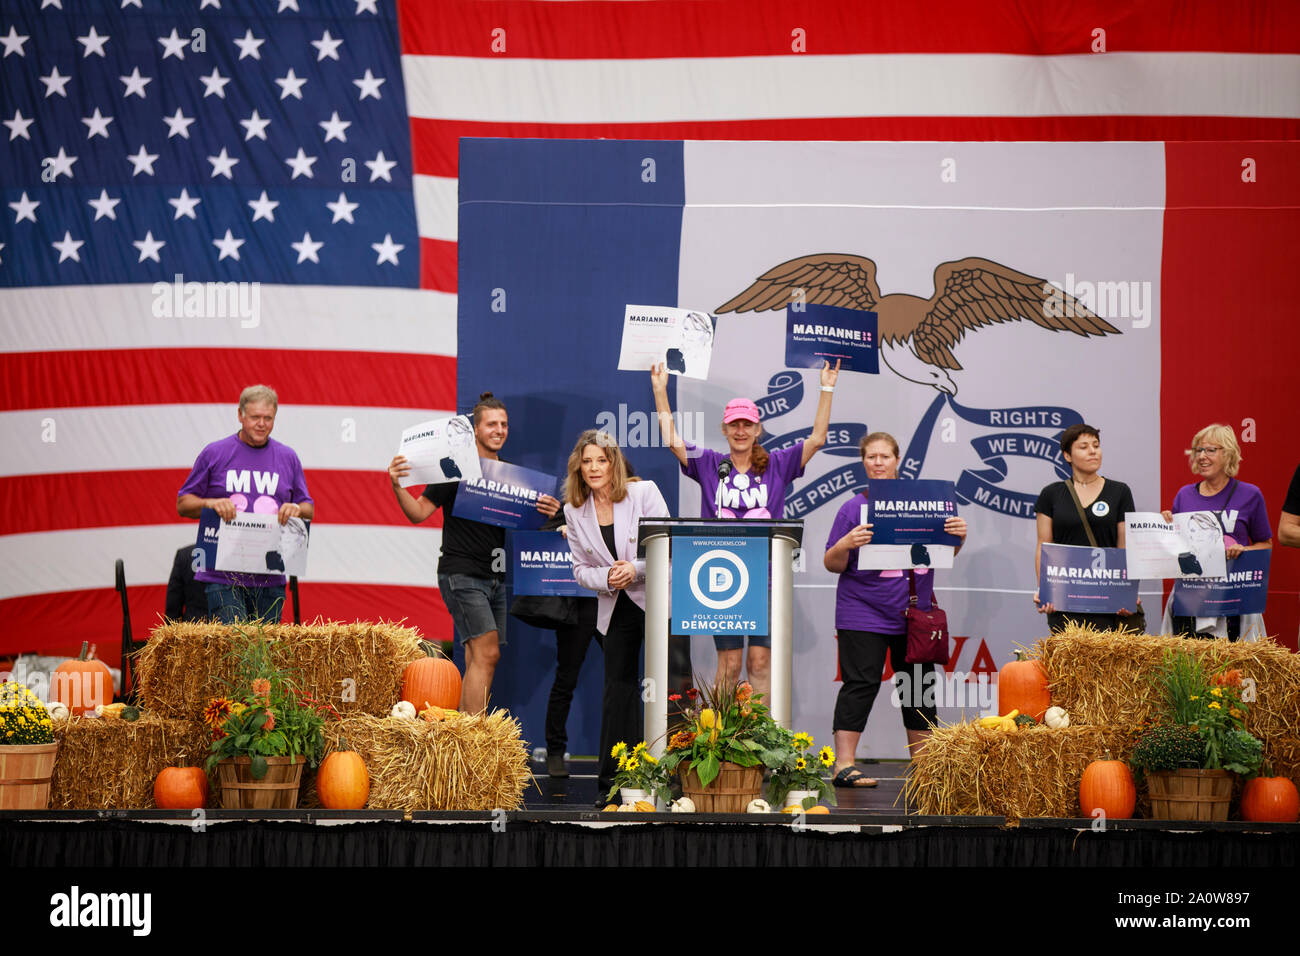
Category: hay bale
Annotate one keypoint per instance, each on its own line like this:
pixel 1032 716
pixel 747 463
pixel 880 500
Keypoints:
pixel 112 764
pixel 474 762
pixel 357 667
pixel 1105 677
pixel 970 770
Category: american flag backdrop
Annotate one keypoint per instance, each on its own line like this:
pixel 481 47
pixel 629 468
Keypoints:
pixel 153 152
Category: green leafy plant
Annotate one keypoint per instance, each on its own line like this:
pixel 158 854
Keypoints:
pixel 23 718
pixel 801 769
pixel 265 713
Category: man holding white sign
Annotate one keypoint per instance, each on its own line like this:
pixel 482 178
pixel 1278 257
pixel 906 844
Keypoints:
pixel 246 472
pixel 472 566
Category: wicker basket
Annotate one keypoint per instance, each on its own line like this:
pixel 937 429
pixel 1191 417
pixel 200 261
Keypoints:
pixel 277 790
pixel 25 771
pixel 730 792
pixel 1190 794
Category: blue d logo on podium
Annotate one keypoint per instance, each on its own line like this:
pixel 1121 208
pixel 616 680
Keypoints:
pixel 726 577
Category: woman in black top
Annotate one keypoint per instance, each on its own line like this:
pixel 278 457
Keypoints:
pixel 1104 500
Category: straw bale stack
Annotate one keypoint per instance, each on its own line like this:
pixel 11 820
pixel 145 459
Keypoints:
pixel 1105 677
pixel 357 667
pixel 474 762
pixel 112 764
pixel 1032 772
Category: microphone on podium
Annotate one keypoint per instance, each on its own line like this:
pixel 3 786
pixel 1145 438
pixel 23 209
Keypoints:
pixel 724 469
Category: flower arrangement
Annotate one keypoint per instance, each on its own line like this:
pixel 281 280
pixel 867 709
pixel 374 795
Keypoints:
pixel 639 770
pixel 726 722
pixel 23 718
pixel 801 770
pixel 264 714
pixel 1210 707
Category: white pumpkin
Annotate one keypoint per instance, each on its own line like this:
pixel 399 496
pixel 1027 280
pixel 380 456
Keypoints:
pixel 1056 718
pixel 404 709
pixel 683 805
pixel 758 806
pixel 58 710
pixel 627 808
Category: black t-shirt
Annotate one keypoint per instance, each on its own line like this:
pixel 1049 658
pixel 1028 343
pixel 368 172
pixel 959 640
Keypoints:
pixel 1104 514
pixel 1292 504
pixel 468 547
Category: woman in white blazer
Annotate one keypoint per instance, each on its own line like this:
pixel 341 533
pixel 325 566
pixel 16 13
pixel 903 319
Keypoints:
pixel 603 508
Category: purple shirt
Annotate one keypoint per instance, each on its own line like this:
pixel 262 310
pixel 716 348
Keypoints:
pixel 744 495
pixel 255 479
pixel 872 600
pixel 1245 520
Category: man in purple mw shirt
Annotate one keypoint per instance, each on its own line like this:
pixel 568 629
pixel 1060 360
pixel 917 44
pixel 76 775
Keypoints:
pixel 246 471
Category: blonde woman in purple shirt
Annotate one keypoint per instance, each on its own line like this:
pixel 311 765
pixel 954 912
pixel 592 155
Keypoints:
pixel 1215 457
pixel 869 621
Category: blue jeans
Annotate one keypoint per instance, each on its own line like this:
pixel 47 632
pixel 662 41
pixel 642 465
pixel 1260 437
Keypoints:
pixel 231 604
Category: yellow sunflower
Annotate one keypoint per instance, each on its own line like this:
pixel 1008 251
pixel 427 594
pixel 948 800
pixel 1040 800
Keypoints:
pixel 826 756
pixel 619 748
pixel 801 764
pixel 802 740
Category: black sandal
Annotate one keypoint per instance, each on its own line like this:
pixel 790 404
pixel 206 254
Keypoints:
pixel 854 778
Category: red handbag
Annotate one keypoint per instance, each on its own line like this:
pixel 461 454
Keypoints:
pixel 927 631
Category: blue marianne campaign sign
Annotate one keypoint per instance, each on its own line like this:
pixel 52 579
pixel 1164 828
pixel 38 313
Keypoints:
pixel 506 496
pixel 209 530
pixel 541 563
pixel 1243 591
pixel 1085 580
pixel 720 585
pixel 903 511
pixel 826 333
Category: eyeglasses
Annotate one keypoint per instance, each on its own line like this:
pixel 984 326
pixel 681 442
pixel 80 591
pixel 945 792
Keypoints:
pixel 1206 450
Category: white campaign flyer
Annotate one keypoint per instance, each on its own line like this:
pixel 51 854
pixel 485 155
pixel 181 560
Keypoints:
pixel 1190 546
pixel 440 451
pixel 682 339
pixel 259 544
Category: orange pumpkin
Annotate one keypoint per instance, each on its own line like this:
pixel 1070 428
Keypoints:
pixel 343 783
pixel 1022 686
pixel 431 680
pixel 82 685
pixel 181 788
pixel 1107 785
pixel 1270 800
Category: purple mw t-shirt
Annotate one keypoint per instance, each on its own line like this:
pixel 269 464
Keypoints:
pixel 255 479
pixel 872 600
pixel 1246 518
pixel 744 495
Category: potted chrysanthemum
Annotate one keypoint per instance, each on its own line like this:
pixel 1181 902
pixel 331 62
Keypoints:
pixel 27 749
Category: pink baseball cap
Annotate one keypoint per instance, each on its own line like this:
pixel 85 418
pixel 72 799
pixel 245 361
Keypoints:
pixel 740 409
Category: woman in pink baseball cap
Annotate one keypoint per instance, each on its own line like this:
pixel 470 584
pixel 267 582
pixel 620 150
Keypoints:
pixel 746 482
